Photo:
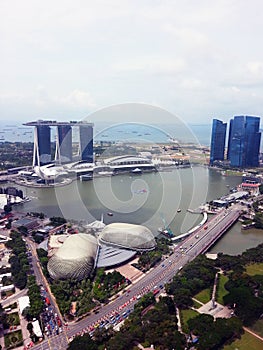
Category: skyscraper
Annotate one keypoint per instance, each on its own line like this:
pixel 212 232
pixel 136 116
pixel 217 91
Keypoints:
pixel 42 147
pixel 86 142
pixel 63 153
pixel 64 143
pixel 244 141
pixel 218 139
pixel 252 141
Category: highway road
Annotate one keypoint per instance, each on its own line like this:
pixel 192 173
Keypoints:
pixel 59 342
pixel 198 242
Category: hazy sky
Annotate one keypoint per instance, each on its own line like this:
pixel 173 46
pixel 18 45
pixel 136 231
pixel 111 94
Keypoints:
pixel 66 59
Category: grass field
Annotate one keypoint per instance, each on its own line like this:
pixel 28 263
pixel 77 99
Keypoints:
pixel 196 304
pixel 247 342
pixel 185 316
pixel 255 269
pixel 258 328
pixel 204 296
pixel 221 291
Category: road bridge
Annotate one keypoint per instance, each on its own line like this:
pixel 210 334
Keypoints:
pixel 196 243
pixel 183 235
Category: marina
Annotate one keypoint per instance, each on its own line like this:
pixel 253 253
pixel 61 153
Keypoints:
pixel 170 195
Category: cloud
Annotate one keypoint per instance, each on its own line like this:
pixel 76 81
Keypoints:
pixel 187 36
pixel 75 99
pixel 87 54
pixel 151 65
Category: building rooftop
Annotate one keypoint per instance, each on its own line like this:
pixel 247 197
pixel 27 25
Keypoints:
pixel 128 236
pixel 111 256
pixel 23 302
pixel 75 259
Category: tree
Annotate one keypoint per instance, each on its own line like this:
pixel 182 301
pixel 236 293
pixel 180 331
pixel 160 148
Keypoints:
pixel 84 343
pixel 8 208
pixel 29 327
pixel 247 307
pixel 182 298
pixel 23 230
pixel 201 324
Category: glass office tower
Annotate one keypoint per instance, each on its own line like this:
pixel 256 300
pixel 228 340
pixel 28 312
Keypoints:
pixel 252 141
pixel 218 139
pixel 244 142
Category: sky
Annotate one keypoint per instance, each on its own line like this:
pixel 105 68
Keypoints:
pixel 64 59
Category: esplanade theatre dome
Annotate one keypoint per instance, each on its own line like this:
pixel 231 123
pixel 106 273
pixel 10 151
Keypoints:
pixel 75 258
pixel 129 236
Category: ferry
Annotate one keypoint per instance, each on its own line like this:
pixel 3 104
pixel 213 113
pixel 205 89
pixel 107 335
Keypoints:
pixel 86 177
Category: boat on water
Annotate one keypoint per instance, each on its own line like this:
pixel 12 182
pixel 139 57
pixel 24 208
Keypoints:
pixel 103 173
pixel 136 171
pixel 166 231
pixel 86 177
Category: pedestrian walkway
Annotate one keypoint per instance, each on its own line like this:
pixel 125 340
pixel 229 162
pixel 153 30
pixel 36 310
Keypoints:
pixel 197 301
pixel 179 323
pixel 253 333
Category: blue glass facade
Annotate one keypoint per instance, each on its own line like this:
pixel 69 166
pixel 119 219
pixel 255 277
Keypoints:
pixel 218 139
pixel 44 146
pixel 86 142
pixel 244 141
pixel 65 143
pixel 252 141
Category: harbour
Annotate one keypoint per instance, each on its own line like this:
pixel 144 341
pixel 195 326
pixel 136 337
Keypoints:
pixel 164 193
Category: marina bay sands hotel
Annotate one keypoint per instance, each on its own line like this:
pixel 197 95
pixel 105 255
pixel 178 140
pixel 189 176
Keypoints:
pixel 63 152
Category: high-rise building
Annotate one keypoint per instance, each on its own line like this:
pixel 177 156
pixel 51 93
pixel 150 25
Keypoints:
pixel 64 143
pixel 244 141
pixel 63 153
pixel 252 141
pixel 86 142
pixel 218 139
pixel 229 137
pixel 42 147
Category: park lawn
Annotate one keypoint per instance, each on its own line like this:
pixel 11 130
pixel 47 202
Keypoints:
pixel 197 304
pixel 185 316
pixel 247 342
pixel 204 296
pixel 254 269
pixel 13 339
pixel 221 291
pixel 258 327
